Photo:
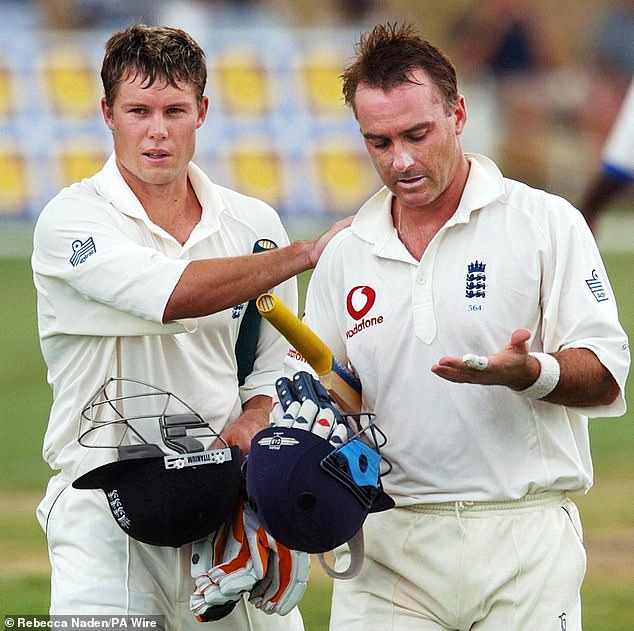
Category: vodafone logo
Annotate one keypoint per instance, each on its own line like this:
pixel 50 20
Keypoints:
pixel 360 300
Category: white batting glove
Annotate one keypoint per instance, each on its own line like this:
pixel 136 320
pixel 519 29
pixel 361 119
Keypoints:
pixel 223 566
pixel 309 416
pixel 242 557
pixel 285 581
pixel 281 418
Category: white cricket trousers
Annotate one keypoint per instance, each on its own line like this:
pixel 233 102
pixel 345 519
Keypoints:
pixel 97 569
pixel 484 566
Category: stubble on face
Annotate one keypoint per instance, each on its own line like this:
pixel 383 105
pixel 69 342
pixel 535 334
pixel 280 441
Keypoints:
pixel 412 139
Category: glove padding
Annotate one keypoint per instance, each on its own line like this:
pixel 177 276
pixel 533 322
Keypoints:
pixel 305 404
pixel 285 580
pixel 242 557
pixel 223 566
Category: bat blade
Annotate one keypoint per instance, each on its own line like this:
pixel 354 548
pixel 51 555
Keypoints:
pixel 343 387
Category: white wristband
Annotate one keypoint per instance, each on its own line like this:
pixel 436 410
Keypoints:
pixel 548 377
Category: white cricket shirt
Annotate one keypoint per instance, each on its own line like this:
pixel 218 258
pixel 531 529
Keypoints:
pixel 510 257
pixel 104 272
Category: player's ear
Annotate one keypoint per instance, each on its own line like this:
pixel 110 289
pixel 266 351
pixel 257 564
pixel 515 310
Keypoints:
pixel 106 110
pixel 460 113
pixel 202 111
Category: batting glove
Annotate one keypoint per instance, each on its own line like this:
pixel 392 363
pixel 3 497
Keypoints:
pixel 285 581
pixel 227 564
pixel 313 411
pixel 244 558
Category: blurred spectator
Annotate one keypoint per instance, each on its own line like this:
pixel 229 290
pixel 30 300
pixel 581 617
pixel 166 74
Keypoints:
pixel 200 17
pixel 505 58
pixel 355 11
pixel 114 14
pixel 609 62
pixel 500 37
pixel 614 45
pixel 616 172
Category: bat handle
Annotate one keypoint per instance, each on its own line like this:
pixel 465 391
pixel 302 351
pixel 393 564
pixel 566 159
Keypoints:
pixel 248 335
pixel 264 245
pixel 315 352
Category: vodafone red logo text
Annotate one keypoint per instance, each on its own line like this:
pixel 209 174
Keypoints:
pixel 360 300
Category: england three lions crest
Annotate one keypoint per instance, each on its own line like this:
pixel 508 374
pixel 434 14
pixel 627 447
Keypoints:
pixel 476 280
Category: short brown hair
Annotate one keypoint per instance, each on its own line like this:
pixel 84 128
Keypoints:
pixel 155 53
pixel 387 55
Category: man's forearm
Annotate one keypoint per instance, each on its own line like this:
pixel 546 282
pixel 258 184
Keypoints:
pixel 584 381
pixel 211 285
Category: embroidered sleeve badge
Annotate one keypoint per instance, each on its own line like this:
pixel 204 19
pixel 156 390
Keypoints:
pixel 596 287
pixel 81 251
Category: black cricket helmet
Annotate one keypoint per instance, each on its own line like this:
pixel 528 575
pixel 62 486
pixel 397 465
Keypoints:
pixel 167 487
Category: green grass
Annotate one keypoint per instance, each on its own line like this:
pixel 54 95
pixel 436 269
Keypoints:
pixel 607 513
pixel 25 395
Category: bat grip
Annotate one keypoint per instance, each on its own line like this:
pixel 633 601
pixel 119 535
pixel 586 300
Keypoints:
pixel 314 351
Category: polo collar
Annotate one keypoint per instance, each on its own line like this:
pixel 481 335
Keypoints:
pixel 373 223
pixel 485 184
pixel 110 184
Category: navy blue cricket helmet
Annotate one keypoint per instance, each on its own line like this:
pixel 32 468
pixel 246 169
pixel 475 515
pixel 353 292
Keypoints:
pixel 308 493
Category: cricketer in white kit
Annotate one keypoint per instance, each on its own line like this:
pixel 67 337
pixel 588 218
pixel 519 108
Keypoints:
pixel 391 318
pixel 99 316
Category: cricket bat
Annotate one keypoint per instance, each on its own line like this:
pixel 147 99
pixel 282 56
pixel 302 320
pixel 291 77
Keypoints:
pixel 343 387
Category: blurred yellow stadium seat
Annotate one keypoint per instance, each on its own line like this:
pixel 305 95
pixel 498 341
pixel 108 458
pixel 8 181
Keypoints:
pixel 7 104
pixel 321 77
pixel 78 161
pixel 242 83
pixel 346 177
pixel 257 171
pixel 71 83
pixel 274 108
pixel 14 188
